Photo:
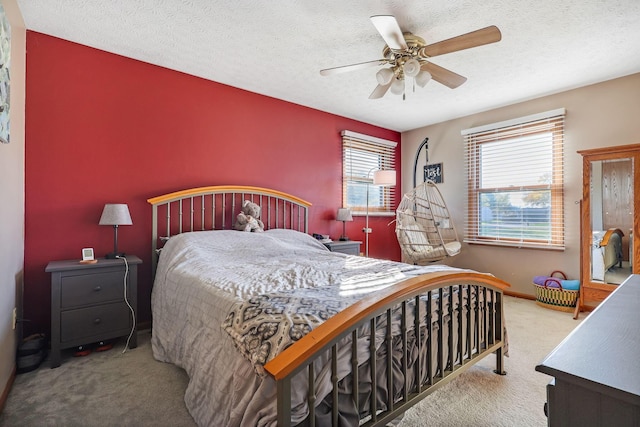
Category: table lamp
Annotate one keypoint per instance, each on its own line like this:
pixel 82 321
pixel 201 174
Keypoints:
pixel 344 215
pixel 115 214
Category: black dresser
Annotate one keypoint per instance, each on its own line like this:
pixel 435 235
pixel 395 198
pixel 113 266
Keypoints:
pixel 596 369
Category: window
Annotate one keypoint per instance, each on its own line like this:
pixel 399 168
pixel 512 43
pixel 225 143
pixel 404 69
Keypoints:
pixel 361 156
pixel 515 182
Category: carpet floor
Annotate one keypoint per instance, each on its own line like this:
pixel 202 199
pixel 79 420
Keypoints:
pixel 113 388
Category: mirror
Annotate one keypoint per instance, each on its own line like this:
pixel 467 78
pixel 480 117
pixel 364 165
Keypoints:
pixel 612 217
pixel 609 221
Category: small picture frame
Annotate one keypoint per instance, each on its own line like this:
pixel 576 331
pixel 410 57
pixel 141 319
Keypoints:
pixel 433 173
pixel 88 256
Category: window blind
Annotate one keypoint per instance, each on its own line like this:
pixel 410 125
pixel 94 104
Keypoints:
pixel 362 155
pixel 515 182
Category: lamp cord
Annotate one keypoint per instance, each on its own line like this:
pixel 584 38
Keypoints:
pixel 126 300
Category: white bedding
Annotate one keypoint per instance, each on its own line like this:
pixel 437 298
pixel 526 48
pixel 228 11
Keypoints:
pixel 202 276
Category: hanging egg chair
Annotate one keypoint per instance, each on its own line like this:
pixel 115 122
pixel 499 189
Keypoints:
pixel 424 227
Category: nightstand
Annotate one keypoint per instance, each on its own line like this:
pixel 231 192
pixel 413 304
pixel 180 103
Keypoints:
pixel 348 247
pixel 88 304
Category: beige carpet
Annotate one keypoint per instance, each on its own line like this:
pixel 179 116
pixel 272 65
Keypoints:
pixel 132 389
pixel 482 398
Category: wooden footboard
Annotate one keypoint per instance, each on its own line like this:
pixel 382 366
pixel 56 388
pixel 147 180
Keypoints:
pixel 420 333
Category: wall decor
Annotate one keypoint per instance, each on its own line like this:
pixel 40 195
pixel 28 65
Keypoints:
pixel 5 57
pixel 433 173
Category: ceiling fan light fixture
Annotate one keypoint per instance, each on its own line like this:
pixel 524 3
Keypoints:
pixel 384 76
pixel 411 67
pixel 423 78
pixel 397 87
pixel 407 55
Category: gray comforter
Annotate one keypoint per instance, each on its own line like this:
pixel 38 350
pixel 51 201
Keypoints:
pixel 226 302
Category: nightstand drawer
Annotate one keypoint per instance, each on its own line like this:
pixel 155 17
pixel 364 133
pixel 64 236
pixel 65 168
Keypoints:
pixel 348 247
pixel 92 321
pixel 95 288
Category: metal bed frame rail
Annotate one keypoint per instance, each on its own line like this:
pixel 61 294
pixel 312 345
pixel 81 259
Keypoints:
pixel 479 314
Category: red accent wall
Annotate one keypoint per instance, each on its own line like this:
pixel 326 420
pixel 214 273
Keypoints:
pixel 102 128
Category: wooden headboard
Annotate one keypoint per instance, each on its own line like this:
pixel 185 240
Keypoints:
pixel 216 208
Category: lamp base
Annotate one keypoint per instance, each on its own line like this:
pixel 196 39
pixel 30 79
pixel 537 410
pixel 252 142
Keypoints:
pixel 344 239
pixel 114 255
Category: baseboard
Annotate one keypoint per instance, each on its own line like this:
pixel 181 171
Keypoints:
pixel 7 388
pixel 533 298
pixel 519 295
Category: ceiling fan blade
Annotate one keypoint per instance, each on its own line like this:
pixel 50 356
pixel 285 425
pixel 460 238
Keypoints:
pixel 352 67
pixel 465 41
pixel 380 91
pixel 390 31
pixel 443 76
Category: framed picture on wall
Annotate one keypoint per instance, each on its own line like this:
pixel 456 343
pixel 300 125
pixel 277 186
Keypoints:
pixel 5 56
pixel 433 173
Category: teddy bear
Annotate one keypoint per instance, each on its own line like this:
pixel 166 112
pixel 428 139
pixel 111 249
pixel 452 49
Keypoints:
pixel 249 218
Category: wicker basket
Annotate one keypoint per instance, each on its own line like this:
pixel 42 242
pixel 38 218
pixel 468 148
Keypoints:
pixel 552 295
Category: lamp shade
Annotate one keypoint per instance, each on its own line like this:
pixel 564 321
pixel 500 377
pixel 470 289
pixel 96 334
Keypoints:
pixel 344 214
pixel 384 76
pixel 384 177
pixel 115 214
pixel 411 67
pixel 397 86
pixel 423 78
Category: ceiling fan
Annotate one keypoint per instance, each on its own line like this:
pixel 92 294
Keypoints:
pixel 407 56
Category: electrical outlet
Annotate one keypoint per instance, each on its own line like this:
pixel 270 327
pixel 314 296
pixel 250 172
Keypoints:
pixel 15 317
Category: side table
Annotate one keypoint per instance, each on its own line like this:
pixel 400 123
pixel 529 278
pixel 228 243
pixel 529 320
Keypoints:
pixel 348 247
pixel 88 302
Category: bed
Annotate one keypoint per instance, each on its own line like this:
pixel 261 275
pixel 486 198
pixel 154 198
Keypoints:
pixel 274 329
pixel 606 251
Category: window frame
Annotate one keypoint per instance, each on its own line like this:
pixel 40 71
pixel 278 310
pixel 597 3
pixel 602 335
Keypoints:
pixel 552 121
pixel 385 151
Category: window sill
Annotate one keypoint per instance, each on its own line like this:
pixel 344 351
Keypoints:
pixel 516 245
pixel 387 214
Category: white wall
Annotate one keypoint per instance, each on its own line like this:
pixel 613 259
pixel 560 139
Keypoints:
pixel 599 115
pixel 12 199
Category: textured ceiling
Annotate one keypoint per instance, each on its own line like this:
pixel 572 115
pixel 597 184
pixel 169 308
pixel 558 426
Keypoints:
pixel 277 48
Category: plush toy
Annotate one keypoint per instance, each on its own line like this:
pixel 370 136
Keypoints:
pixel 249 218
